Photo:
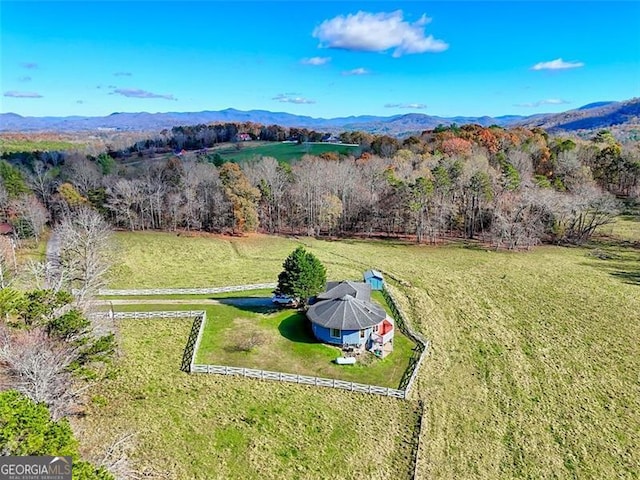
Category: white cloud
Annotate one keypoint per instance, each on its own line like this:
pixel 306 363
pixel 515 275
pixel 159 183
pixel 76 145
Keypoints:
pixel 356 71
pixel 24 79
pixel 557 64
pixel 14 94
pixel 378 32
pixel 122 74
pixel 411 106
pixel 29 65
pixel 539 103
pixel 287 98
pixel 315 61
pixel 137 93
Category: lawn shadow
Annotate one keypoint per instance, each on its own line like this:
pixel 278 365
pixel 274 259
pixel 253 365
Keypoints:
pixel 620 264
pixel 250 304
pixel 632 278
pixel 297 329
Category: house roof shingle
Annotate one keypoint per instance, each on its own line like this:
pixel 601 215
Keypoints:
pixel 346 313
pixel 358 290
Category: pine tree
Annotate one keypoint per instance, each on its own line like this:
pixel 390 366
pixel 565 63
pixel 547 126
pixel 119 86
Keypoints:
pixel 303 276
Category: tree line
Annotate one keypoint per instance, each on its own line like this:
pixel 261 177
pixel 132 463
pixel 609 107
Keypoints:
pixel 513 187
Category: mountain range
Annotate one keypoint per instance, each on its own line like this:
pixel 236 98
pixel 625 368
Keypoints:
pixel 588 117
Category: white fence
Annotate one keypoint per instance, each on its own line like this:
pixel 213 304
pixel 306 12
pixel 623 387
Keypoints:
pixel 187 291
pixel 193 343
pixel 300 379
pixel 423 344
pixel 159 314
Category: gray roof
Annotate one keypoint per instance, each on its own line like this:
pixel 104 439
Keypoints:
pixel 359 290
pixel 346 313
pixel 373 273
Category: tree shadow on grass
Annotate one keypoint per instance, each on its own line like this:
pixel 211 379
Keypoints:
pixel 620 264
pixel 632 278
pixel 250 304
pixel 297 329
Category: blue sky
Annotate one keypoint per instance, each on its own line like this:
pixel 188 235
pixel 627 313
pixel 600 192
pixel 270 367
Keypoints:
pixel 323 59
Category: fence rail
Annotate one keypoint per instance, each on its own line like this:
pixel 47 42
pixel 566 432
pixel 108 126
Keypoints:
pixel 299 379
pixel 195 337
pixel 186 291
pixel 422 344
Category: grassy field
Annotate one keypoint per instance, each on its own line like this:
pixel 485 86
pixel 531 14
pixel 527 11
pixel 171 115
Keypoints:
pixel 284 152
pixel 27 144
pixel 213 427
pixel 287 344
pixel 626 228
pixel 533 370
pixel 150 259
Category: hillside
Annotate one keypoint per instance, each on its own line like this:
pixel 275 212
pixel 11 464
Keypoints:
pixel 394 125
pixel 590 117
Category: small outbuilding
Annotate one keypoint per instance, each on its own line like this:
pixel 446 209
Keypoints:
pixel 375 279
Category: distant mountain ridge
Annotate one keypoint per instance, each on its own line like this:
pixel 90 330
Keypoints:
pixel 594 115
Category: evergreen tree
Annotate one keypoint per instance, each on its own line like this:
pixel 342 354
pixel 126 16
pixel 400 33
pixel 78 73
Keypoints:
pixel 26 428
pixel 303 276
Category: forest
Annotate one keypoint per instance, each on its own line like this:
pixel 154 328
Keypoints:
pixel 513 188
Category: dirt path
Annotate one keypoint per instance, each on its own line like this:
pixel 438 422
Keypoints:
pixel 239 301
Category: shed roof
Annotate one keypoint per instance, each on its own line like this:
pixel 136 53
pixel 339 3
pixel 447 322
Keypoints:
pixel 5 228
pixel 373 274
pixel 359 290
pixel 346 313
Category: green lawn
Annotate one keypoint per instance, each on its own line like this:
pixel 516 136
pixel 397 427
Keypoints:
pixel 288 345
pixel 532 371
pixel 213 427
pixel 284 152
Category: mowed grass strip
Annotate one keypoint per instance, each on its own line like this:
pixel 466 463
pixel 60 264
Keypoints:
pixel 534 356
pixel 214 427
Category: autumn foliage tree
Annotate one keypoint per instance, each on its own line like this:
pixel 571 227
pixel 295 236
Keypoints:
pixel 242 196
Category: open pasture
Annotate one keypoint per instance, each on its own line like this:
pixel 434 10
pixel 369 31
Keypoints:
pixel 533 371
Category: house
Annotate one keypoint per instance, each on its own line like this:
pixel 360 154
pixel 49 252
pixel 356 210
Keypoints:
pixel 374 278
pixel 344 314
pixel 243 137
pixel 6 229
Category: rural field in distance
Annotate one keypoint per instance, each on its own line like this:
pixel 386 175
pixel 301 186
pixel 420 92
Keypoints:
pixel 532 371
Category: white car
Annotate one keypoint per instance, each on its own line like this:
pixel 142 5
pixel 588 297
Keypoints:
pixel 285 301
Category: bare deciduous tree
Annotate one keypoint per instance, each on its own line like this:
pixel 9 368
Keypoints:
pixel 83 173
pixel 517 220
pixel 8 261
pixel 32 213
pixel 41 181
pixel 37 367
pixel 85 244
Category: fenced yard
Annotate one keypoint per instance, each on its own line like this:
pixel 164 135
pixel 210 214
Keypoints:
pixel 281 347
